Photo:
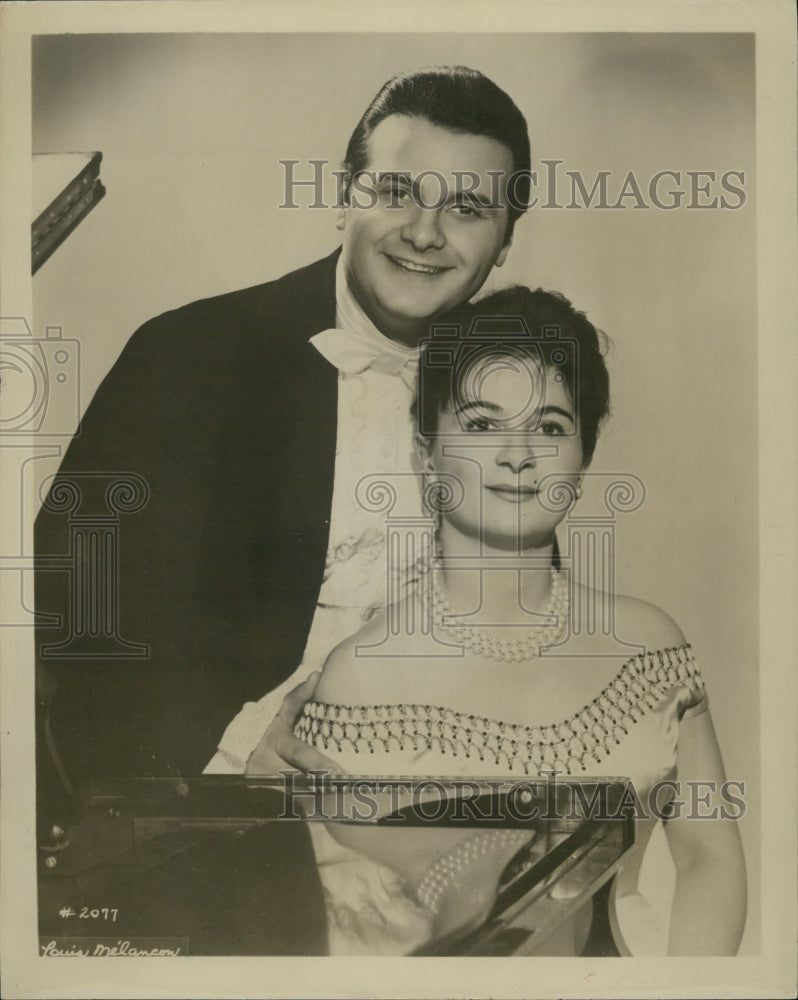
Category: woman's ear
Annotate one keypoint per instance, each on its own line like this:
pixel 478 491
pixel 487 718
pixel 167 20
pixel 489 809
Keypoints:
pixel 578 483
pixel 421 455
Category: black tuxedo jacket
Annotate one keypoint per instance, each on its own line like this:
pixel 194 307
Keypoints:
pixel 229 415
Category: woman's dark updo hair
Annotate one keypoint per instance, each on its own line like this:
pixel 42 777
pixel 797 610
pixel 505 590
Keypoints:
pixel 544 326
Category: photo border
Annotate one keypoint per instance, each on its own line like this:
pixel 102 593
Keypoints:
pixel 770 974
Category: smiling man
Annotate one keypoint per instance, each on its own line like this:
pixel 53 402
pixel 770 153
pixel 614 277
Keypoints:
pixel 425 241
pixel 252 416
pixel 437 174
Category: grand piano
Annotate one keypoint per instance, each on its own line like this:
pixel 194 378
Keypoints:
pixel 222 865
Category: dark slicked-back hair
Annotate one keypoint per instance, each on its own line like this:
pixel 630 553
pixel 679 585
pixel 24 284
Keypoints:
pixel 456 98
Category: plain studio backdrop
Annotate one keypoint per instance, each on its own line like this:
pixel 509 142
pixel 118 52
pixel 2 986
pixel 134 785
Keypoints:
pixel 193 128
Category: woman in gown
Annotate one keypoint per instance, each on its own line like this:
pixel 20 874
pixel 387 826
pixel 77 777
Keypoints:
pixel 505 432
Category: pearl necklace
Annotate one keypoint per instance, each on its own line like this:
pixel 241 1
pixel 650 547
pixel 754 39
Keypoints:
pixel 481 642
pixel 444 874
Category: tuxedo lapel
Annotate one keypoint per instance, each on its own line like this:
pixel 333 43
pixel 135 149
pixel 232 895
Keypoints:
pixel 276 465
pixel 229 415
pixel 294 397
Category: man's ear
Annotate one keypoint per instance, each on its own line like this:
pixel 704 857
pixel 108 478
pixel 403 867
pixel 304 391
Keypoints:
pixel 503 253
pixel 343 200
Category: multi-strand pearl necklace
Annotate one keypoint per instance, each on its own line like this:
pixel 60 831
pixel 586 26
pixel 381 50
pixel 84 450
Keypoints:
pixel 444 873
pixel 528 645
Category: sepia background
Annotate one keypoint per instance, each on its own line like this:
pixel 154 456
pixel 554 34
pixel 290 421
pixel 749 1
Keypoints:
pixel 192 129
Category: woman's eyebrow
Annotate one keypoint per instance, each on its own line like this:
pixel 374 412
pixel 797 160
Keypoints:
pixel 477 404
pixel 557 409
pixel 548 410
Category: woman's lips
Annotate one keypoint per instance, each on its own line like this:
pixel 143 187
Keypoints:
pixel 513 494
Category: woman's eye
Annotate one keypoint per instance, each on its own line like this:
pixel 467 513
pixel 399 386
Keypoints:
pixel 550 427
pixel 478 424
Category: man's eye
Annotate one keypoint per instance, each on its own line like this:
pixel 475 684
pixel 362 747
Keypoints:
pixel 395 194
pixel 465 208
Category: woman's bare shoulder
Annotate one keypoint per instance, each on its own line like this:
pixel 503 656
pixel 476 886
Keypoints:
pixel 645 623
pixel 635 620
pixel 363 668
pixel 340 678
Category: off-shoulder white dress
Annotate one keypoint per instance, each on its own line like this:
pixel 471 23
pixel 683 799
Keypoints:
pixel 630 728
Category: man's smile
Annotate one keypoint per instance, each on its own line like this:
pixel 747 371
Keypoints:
pixel 414 266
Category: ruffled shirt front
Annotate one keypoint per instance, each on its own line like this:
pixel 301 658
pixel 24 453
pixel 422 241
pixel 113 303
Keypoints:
pixel 374 440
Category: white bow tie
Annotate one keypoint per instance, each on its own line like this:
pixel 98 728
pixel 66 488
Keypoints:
pixel 352 353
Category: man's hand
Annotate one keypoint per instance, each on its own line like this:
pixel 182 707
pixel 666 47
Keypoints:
pixel 279 750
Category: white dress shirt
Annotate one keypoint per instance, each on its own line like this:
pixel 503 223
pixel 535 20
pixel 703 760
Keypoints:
pixel 375 434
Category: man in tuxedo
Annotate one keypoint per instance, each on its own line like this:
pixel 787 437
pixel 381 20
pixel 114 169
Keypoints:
pixel 241 426
pixel 240 413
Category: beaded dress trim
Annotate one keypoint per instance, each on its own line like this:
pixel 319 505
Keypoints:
pixel 575 744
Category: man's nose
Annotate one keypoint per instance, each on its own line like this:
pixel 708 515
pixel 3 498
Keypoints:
pixel 422 228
